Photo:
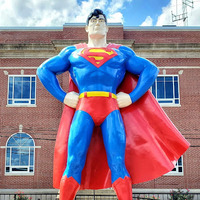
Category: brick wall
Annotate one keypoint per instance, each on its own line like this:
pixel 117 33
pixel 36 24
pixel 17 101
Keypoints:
pixel 21 62
pixel 17 36
pixel 186 119
pixel 161 62
pixel 42 122
pixel 46 36
pixel 163 37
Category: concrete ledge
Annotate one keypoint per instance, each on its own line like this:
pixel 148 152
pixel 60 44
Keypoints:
pixel 29 191
pixel 109 191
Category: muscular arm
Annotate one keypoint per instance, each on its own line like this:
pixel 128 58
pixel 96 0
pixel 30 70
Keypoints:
pixel 146 70
pixel 49 69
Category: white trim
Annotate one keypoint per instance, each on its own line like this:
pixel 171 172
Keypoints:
pixel 24 28
pixel 14 100
pixel 19 174
pixel 19 67
pixel 36 147
pixel 28 191
pixel 162 67
pixel 169 105
pixel 179 67
pixel 11 105
pixel 126 28
pixel 50 191
pixel 20 132
pixel 52 28
pixel 162 28
pixel 78 25
pixel 11 173
pixel 176 173
pixel 173 99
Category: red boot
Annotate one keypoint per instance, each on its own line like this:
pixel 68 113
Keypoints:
pixel 123 188
pixel 68 188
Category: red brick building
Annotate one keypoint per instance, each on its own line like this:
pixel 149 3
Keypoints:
pixel 30 115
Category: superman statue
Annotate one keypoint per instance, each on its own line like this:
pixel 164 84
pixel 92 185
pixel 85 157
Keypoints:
pixel 112 131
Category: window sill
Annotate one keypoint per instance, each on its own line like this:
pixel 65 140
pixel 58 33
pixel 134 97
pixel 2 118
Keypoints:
pixel 19 174
pixel 170 105
pixel 15 105
pixel 174 174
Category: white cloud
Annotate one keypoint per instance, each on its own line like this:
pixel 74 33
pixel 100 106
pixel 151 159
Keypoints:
pixel 35 12
pixel 175 7
pixel 115 5
pixel 116 17
pixel 113 10
pixel 86 7
pixel 55 12
pixel 148 22
pixel 194 15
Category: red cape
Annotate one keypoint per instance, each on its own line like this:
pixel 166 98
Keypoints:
pixel 153 144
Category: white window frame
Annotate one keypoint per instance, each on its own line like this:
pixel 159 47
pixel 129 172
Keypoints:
pixel 176 168
pixel 173 104
pixel 19 173
pixel 27 102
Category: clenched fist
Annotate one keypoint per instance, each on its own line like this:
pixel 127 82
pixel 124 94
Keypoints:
pixel 123 99
pixel 71 99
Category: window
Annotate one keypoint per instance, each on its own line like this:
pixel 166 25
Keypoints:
pixel 178 170
pixel 166 90
pixel 20 154
pixel 21 90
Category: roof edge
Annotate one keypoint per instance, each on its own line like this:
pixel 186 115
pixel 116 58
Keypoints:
pixel 164 27
pixel 126 28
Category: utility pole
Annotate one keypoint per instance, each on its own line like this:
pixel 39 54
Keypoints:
pixel 184 15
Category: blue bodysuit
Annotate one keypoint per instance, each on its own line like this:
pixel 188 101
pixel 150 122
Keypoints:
pixel 97 72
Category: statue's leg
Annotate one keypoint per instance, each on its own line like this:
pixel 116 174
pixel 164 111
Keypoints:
pixel 115 143
pixel 78 144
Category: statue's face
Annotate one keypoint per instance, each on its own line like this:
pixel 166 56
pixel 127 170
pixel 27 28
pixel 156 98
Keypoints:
pixel 97 27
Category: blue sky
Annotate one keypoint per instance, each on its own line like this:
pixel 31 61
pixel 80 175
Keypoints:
pixel 135 12
pixel 129 12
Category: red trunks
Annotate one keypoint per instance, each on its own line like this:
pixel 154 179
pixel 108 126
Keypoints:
pixel 98 107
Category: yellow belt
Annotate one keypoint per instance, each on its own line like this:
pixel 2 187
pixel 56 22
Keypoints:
pixel 97 94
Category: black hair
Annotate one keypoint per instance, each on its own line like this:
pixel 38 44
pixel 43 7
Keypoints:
pixel 96 13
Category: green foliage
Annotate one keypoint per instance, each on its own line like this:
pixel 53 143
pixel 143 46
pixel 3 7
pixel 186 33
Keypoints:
pixel 21 196
pixel 181 195
pixel 145 197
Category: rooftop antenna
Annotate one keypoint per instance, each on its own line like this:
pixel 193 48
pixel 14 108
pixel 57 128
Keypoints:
pixel 184 15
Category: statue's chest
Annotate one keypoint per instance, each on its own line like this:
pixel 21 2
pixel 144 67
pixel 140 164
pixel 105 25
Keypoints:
pixel 98 57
